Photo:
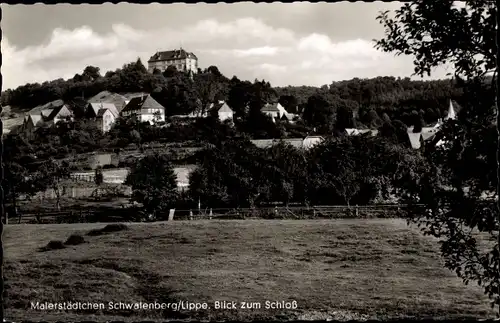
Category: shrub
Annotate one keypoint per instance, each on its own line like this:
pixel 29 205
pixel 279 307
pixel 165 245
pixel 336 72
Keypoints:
pixel 115 227
pixel 53 245
pixel 74 239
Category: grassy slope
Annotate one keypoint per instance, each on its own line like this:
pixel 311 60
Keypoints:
pixel 379 268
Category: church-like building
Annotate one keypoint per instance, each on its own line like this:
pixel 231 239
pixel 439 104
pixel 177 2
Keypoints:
pixel 427 133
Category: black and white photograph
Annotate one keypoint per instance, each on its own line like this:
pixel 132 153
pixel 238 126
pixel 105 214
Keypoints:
pixel 250 161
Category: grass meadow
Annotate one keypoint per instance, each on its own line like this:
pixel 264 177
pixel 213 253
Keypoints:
pixel 337 269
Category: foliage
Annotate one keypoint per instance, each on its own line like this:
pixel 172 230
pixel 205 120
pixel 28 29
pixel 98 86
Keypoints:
pixel 98 176
pixel 153 182
pixel 338 171
pixel 50 175
pixel 458 189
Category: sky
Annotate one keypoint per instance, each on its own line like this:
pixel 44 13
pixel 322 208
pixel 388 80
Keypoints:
pixel 284 43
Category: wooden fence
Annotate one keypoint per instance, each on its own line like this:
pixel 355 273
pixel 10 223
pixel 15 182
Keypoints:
pixel 134 214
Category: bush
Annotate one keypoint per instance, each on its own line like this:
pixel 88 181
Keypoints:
pixel 53 245
pixel 115 227
pixel 74 239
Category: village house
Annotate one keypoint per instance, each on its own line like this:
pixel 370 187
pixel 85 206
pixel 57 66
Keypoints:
pixel 108 97
pixel 46 115
pixel 299 143
pixel 104 115
pixel 275 111
pixel 311 141
pixel 222 111
pixel 180 59
pixel 417 139
pixel 145 108
pixel 357 132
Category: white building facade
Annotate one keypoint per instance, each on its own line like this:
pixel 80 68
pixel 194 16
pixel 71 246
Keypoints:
pixel 181 59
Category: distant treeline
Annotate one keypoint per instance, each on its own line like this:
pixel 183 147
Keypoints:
pixel 352 103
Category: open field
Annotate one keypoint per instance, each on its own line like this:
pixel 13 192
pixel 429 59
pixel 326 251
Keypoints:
pixel 341 269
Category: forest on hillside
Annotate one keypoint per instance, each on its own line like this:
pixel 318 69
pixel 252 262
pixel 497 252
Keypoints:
pixel 352 103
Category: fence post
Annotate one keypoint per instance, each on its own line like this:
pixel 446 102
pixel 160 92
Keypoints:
pixel 211 214
pixel 190 214
pixel 357 210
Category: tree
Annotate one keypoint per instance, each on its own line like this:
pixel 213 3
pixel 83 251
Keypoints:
pixel 98 179
pixel 51 175
pixel 207 86
pixel 228 175
pixel 91 73
pixel 214 70
pixel 18 157
pixel 463 169
pixel 154 183
pixel 318 112
pixel 345 118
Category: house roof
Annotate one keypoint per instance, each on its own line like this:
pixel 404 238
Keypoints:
pixel 109 97
pixel 270 107
pixel 267 143
pixel 142 102
pixel 49 105
pixel 428 132
pixel 46 113
pixel 357 132
pixel 35 119
pixel 263 143
pixel 97 107
pixel 314 137
pixel 171 54
pixel 131 95
pixel 225 108
pixel 296 142
pixel 101 112
pixel 452 111
pixel 61 111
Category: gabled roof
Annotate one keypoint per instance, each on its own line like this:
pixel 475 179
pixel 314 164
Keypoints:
pixel 101 112
pixel 97 107
pixel 142 102
pixel 225 108
pixel 49 105
pixel 108 97
pixel 61 111
pixel 36 119
pixel 46 113
pixel 171 54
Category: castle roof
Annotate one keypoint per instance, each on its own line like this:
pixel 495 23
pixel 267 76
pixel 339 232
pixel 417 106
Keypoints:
pixel 171 55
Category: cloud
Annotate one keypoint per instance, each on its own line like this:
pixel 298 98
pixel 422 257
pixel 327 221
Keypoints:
pixel 247 48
